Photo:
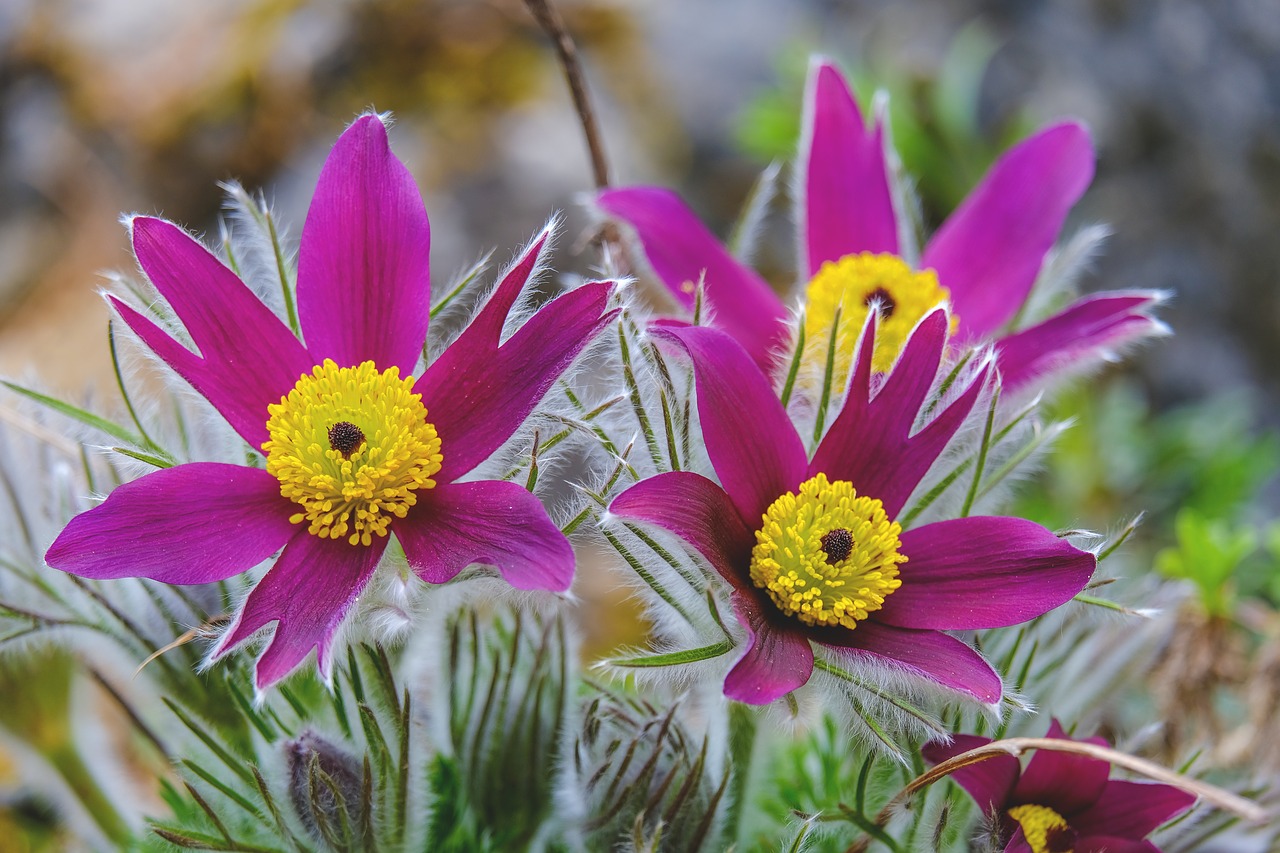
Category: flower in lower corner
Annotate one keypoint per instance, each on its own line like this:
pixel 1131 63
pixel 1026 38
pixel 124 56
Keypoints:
pixel 356 447
pixel 1061 802
pixel 983 261
pixel 813 549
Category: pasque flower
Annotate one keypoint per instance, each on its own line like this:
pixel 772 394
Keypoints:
pixel 983 260
pixel 812 549
pixel 1062 803
pixel 356 447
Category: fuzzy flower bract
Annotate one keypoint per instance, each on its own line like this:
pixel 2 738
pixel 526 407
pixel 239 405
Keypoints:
pixel 356 447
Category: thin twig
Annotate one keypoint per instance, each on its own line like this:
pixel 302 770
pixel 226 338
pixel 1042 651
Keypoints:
pixel 549 19
pixel 1015 746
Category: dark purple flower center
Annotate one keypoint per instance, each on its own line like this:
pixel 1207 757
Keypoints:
pixel 1060 839
pixel 837 544
pixel 881 296
pixel 346 438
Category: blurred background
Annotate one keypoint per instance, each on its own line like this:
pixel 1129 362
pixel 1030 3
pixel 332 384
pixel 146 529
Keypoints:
pixel 112 106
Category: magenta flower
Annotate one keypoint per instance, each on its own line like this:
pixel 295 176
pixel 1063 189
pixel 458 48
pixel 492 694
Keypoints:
pixel 1062 803
pixel 984 259
pixel 355 448
pixel 811 548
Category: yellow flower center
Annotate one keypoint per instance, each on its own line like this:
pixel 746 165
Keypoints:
pixel 827 556
pixel 1046 830
pixel 855 283
pixel 351 445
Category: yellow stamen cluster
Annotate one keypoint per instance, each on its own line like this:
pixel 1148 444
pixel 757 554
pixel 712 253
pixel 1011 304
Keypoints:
pixel 351 445
pixel 1045 829
pixel 827 555
pixel 855 283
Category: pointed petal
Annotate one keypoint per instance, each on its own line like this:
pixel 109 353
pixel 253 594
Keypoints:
pixel 1132 809
pixel 195 523
pixel 248 359
pixel 1089 330
pixel 699 512
pixel 478 393
pixel 983 572
pixel 777 659
pixel 847 204
pixel 1112 844
pixel 929 654
pixel 487 521
pixel 683 252
pixel 989 782
pixel 752 444
pixel 364 286
pixel 1062 781
pixel 307 593
pixel 989 252
pixel 869 443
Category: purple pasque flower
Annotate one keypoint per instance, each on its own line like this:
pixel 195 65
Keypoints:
pixel 811 548
pixel 1062 803
pixel 983 260
pixel 355 448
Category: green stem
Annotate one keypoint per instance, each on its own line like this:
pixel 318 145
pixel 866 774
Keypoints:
pixel 742 744
pixel 87 790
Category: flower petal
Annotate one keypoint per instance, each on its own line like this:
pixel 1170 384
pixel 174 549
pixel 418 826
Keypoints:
pixel 1112 844
pixel 928 654
pixel 847 204
pixel 1064 782
pixel 1132 809
pixel 869 443
pixel 777 659
pixel 478 393
pixel 683 252
pixel 754 448
pixel 1090 329
pixel 989 252
pixel 487 521
pixel 248 359
pixel 307 592
pixel 1018 843
pixel 699 512
pixel 195 523
pixel 364 284
pixel 983 572
pixel 989 782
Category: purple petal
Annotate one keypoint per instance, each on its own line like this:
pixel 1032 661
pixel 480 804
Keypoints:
pixel 1018 843
pixel 248 359
pixel 487 521
pixel 848 208
pixel 777 659
pixel 683 252
pixel 928 654
pixel 1062 781
pixel 869 443
pixel 1088 330
pixel 307 591
pixel 751 442
pixel 364 285
pixel 989 252
pixel 699 512
pixel 1132 809
pixel 478 393
pixel 989 782
pixel 983 572
pixel 196 523
pixel 1112 844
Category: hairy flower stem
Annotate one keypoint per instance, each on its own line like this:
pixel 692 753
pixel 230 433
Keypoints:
pixel 742 745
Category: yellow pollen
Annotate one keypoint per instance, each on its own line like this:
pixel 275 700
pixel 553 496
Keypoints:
pixel 349 487
pixel 827 556
pixel 1046 830
pixel 854 283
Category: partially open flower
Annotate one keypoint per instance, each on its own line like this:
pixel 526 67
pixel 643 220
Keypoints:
pixel 1062 803
pixel 983 260
pixel 813 549
pixel 356 447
